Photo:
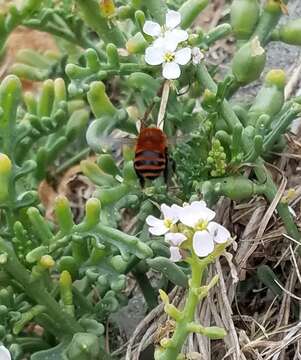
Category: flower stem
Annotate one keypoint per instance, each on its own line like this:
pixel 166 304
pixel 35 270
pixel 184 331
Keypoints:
pixel 176 343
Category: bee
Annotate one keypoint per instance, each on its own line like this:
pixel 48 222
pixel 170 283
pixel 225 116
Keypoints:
pixel 151 154
pixel 151 158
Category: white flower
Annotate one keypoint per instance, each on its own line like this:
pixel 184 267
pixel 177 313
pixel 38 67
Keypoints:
pixel 195 213
pixel 175 240
pixel 197 55
pixel 172 20
pixel 198 216
pixel 161 227
pixel 4 353
pixel 164 52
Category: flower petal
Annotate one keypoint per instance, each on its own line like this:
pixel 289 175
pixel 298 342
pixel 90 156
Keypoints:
pixel 175 238
pixel 153 221
pixel 154 55
pixel 151 28
pixel 4 353
pixel 158 230
pixel 183 56
pixel 177 36
pixel 203 244
pixel 172 19
pixel 171 70
pixel 175 254
pixel 219 233
pixel 189 216
pixel 166 211
pixel 204 212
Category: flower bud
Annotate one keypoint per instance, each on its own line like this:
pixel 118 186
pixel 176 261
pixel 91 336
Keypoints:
pixel 47 262
pixel 244 17
pixel 248 63
pixel 5 172
pixel 136 44
pixel 107 8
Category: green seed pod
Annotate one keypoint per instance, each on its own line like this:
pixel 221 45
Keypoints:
pixel 270 98
pixel 5 174
pixel 169 269
pixel 190 10
pixel 248 63
pixel 244 17
pixel 290 33
pixel 235 188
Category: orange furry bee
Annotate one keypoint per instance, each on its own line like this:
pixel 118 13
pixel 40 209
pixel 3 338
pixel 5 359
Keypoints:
pixel 151 154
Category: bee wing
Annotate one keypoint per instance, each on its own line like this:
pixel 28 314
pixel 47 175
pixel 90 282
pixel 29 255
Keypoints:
pixel 107 140
pixel 175 140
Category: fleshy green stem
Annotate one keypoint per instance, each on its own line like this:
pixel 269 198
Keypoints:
pixel 176 343
pixel 261 172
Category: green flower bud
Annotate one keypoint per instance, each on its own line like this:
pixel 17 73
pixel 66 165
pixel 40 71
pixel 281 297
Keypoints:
pixel 290 33
pixel 248 63
pixel 244 17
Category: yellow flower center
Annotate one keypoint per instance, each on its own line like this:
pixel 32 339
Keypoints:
pixel 169 57
pixel 168 223
pixel 201 225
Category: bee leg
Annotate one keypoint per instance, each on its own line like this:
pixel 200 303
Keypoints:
pixel 141 179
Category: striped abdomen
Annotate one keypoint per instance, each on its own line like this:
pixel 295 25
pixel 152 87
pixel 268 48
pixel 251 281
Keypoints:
pixel 150 154
pixel 150 164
